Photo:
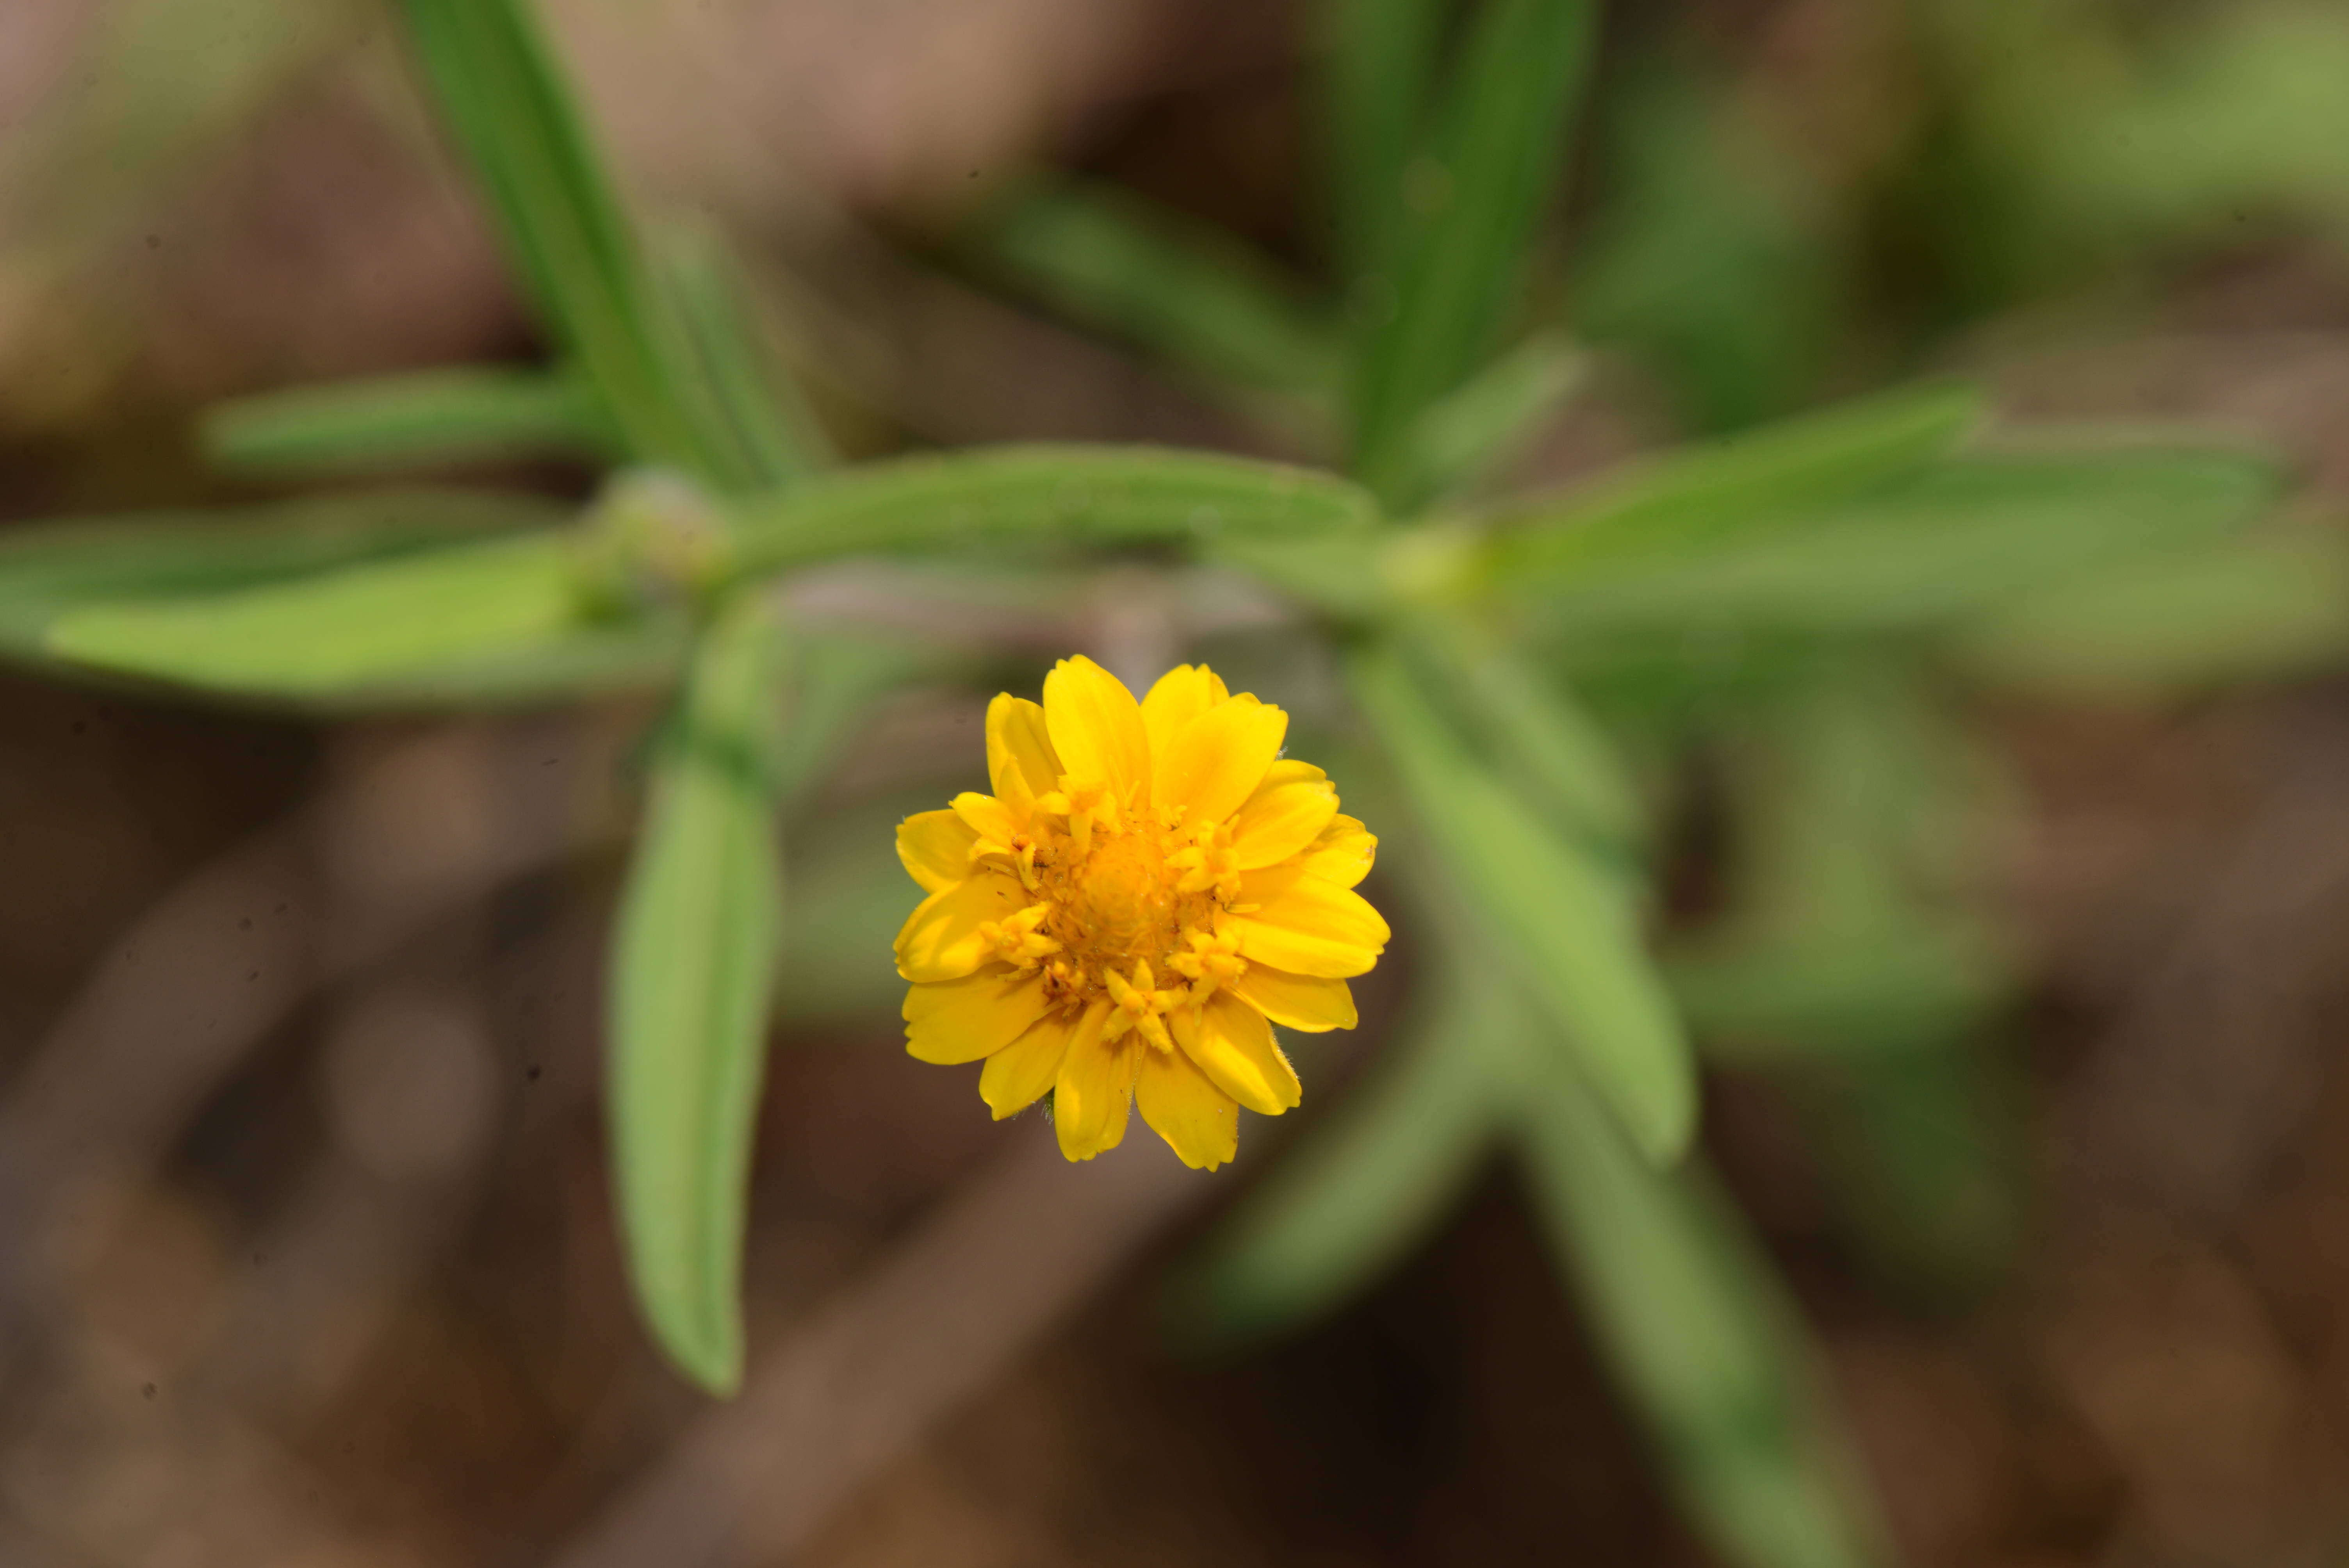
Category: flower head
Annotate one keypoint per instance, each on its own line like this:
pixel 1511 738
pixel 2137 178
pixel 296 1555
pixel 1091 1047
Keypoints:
pixel 1150 888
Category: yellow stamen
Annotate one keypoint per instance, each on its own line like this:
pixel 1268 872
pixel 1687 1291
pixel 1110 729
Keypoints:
pixel 1016 939
pixel 1020 852
pixel 1085 803
pixel 1214 960
pixel 1140 1004
pixel 1210 863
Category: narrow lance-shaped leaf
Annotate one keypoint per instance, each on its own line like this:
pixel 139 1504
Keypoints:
pixel 837 679
pixel 597 656
pixel 1846 784
pixel 1906 986
pixel 771 435
pixel 431 417
pixel 1697 1330
pixel 1966 533
pixel 2256 609
pixel 1196 295
pixel 512 110
pixel 1859 812
pixel 1381 57
pixel 1043 494
pixel 1566 926
pixel 341 629
pixel 1559 751
pixel 1357 1193
pixel 692 967
pixel 1706 263
pixel 1480 425
pixel 47 570
pixel 1478 195
pixel 1338 576
pixel 1702 499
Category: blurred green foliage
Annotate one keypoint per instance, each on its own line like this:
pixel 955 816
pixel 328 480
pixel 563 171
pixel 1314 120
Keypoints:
pixel 1807 602
pixel 1799 603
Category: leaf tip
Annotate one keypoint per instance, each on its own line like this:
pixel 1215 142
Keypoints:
pixel 707 1350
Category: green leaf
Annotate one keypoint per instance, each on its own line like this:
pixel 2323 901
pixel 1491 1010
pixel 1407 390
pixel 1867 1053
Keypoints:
pixel 1705 254
pixel 2254 610
pixel 348 628
pixel 1889 804
pixel 1194 294
pixel 1565 923
pixel 1382 56
pixel 770 435
pixel 502 95
pixel 1907 986
pixel 1968 533
pixel 1559 752
pixel 1475 202
pixel 49 569
pixel 1073 495
pixel 596 657
pixel 1691 1319
pixel 1362 1188
pixel 1468 434
pixel 430 418
pixel 1699 500
pixel 1333 573
pixel 1859 814
pixel 1854 962
pixel 692 966
pixel 1858 798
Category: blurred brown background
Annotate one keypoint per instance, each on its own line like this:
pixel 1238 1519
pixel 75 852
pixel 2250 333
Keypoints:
pixel 305 1255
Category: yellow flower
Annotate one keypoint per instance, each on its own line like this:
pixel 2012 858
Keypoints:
pixel 1149 890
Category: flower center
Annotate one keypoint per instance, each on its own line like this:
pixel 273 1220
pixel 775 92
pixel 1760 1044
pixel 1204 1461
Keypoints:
pixel 1115 906
pixel 1123 898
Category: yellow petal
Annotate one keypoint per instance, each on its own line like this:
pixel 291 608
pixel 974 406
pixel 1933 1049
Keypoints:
pixel 1284 816
pixel 936 848
pixel 1096 727
pixel 987 816
pixel 1308 1002
pixel 922 1001
pixel 1216 761
pixel 940 941
pixel 1020 764
pixel 1341 854
pixel 1306 924
pixel 1199 1121
pixel 962 1020
pixel 1232 1044
pixel 1181 695
pixel 1016 1077
pixel 1095 1088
